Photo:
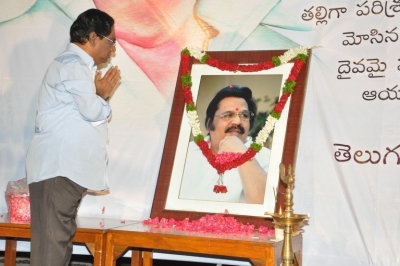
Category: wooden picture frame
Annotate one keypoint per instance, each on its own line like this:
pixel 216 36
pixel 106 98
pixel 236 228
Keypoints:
pixel 289 143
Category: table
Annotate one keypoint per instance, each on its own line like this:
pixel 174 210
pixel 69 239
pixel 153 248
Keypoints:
pixel 90 231
pixel 259 249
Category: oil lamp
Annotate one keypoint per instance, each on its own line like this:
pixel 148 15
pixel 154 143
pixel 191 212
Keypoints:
pixel 287 219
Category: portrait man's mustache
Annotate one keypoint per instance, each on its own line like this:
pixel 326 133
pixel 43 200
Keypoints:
pixel 234 128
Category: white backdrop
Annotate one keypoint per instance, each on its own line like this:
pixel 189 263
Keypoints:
pixel 347 163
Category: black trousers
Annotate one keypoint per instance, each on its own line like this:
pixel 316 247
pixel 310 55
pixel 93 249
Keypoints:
pixel 54 205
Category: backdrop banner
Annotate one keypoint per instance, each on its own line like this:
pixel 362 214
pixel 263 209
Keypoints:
pixel 349 151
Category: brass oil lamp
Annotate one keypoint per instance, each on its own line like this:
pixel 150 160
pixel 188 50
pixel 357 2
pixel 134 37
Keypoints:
pixel 287 219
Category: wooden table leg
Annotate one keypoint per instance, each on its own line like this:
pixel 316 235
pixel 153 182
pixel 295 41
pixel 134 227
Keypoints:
pixel 99 250
pixel 137 259
pixel 112 252
pixel 10 254
pixel 147 258
pixel 92 250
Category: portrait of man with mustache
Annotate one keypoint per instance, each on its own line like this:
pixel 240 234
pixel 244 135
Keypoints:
pixel 229 117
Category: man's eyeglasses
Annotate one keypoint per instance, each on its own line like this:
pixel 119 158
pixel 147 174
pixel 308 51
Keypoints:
pixel 229 115
pixel 108 39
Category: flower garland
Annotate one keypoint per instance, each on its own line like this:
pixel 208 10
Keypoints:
pixel 213 224
pixel 221 162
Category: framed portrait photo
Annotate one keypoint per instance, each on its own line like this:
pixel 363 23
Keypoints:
pixel 186 180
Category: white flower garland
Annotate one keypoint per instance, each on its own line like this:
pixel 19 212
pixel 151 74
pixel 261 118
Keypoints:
pixel 194 123
pixel 292 53
pixel 266 130
pixel 196 52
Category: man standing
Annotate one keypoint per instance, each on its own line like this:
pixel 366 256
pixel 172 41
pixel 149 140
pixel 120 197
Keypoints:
pixel 68 153
pixel 229 117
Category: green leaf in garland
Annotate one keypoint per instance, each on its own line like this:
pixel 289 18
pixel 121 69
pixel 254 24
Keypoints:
pixel 255 146
pixel 303 57
pixel 185 51
pixel 186 80
pixel 190 107
pixel 204 58
pixel 275 115
pixel 276 61
pixel 289 85
pixel 198 138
